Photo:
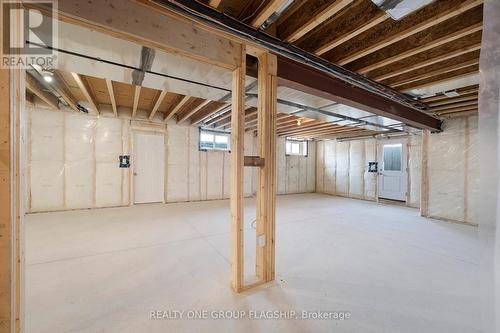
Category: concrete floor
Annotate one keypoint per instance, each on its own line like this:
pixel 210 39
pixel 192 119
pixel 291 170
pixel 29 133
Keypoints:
pixel 393 271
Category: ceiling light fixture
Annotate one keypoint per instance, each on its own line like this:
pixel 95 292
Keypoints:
pixel 452 93
pixel 47 75
pixel 397 9
pixel 299 122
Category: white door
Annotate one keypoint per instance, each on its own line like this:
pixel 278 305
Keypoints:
pixel 392 174
pixel 149 167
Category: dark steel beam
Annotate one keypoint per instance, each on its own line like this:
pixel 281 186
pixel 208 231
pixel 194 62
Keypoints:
pixel 295 75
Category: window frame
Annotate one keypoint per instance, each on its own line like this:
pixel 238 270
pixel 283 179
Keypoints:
pixel 214 133
pixel 305 143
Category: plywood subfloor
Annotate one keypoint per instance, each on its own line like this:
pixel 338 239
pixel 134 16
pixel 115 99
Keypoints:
pixel 105 270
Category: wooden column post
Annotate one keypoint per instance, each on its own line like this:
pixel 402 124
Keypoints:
pixel 237 159
pixel 424 181
pixel 266 191
pixel 12 97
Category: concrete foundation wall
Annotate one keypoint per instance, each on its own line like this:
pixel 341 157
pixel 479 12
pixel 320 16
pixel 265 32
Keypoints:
pixel 73 163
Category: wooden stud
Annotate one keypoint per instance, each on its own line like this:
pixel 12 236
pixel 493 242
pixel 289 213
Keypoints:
pixel 266 192
pixel 86 92
pixel 33 86
pixel 137 94
pixel 175 109
pixel 424 185
pixel 266 13
pixel 237 174
pixel 391 39
pixel 111 93
pixel 193 111
pixel 157 104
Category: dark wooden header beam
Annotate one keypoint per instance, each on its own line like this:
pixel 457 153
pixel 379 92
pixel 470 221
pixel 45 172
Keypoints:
pixel 295 75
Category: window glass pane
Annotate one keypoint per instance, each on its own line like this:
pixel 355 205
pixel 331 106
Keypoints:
pixel 206 137
pixel 295 148
pixel 392 157
pixel 288 147
pixel 221 142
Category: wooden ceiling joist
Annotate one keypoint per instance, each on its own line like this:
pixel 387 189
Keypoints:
pixel 62 89
pixel 389 39
pixel 37 89
pixel 109 85
pixel 447 101
pixel 428 62
pixel 85 90
pixel 434 43
pixel 311 15
pixel 453 106
pixel 436 72
pixel 193 111
pixel 169 114
pixel 453 75
pixel 196 119
pixel 462 91
pixel 214 3
pixel 266 12
pixel 157 104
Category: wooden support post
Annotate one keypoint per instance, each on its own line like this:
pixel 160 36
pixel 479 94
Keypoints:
pixel 237 158
pixel 266 191
pixel 424 185
pixel 12 96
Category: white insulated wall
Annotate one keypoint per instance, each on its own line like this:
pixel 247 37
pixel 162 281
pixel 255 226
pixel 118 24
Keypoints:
pixel 73 161
pixel 342 168
pixel 296 174
pixel 453 170
pixel 73 164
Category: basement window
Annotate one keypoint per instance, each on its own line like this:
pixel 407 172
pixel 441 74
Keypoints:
pixel 296 147
pixel 213 140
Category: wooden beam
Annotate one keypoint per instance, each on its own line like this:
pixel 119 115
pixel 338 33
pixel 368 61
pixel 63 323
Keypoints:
pixel 396 37
pixel 305 22
pixel 193 111
pixel 111 93
pixel 137 94
pixel 126 19
pixel 85 91
pixel 176 108
pixel 449 37
pixel 428 62
pixel 157 104
pixel 266 13
pixel 37 89
pixel 237 175
pixel 462 91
